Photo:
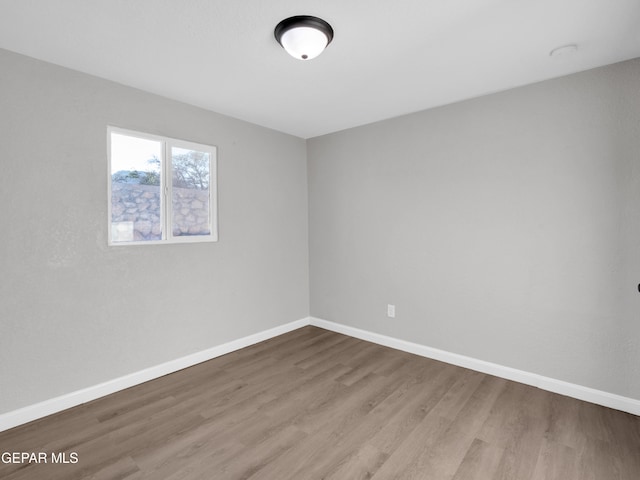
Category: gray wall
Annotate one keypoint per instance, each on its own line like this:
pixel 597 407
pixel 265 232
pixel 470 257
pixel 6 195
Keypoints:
pixel 74 312
pixel 505 228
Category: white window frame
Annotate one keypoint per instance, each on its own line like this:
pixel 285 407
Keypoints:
pixel 166 189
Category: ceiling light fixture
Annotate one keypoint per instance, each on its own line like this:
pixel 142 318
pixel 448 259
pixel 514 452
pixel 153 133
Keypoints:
pixel 303 37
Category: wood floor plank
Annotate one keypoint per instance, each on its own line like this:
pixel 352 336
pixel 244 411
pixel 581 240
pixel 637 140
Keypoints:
pixel 263 453
pixel 358 465
pixel 412 405
pixel 342 344
pixel 313 404
pixel 443 459
pixel 481 462
pixel 555 462
pixel 407 456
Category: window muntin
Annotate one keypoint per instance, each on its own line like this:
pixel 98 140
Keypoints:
pixel 161 190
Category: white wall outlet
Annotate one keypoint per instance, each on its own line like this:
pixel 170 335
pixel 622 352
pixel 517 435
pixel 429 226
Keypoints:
pixel 391 311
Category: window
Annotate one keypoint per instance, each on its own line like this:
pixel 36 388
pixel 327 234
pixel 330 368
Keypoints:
pixel 161 190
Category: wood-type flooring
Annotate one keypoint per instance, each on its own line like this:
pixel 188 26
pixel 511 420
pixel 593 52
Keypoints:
pixel 314 404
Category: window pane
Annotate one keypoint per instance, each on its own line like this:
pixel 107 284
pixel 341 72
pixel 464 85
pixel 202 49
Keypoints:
pixel 190 192
pixel 135 189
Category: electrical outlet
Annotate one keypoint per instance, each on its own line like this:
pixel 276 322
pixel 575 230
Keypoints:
pixel 391 311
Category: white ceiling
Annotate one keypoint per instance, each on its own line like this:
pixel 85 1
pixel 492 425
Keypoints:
pixel 387 58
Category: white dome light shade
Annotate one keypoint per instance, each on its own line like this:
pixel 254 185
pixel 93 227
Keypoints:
pixel 304 37
pixel 304 43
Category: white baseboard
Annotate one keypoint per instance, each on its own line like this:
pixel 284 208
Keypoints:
pixel 587 394
pixel 33 412
pixel 57 404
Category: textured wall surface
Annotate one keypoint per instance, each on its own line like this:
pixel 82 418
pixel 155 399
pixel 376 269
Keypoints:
pixel 505 228
pixel 75 312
